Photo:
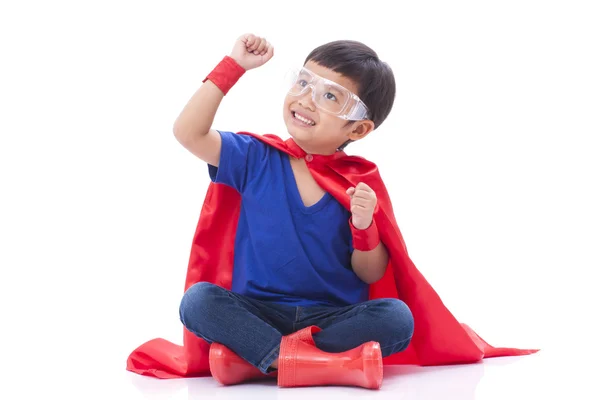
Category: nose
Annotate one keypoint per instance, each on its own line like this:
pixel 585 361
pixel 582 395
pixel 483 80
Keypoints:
pixel 306 100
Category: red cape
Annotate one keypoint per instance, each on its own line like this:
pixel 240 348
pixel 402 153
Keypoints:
pixel 438 339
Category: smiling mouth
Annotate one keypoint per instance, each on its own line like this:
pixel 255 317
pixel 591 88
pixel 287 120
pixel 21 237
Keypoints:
pixel 305 121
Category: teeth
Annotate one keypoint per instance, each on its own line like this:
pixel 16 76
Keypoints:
pixel 305 120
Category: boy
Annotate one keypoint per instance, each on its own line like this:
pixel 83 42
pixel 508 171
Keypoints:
pixel 297 264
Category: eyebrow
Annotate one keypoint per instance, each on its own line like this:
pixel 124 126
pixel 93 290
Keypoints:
pixel 305 73
pixel 335 88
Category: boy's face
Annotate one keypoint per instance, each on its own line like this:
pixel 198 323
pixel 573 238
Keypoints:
pixel 326 132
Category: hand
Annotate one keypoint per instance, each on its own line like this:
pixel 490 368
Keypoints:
pixel 362 205
pixel 251 51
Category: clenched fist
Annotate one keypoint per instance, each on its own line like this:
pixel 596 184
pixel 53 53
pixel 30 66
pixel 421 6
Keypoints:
pixel 362 205
pixel 251 51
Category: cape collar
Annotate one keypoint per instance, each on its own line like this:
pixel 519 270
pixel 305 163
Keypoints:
pixel 296 151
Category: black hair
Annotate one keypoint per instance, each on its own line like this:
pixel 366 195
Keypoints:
pixel 357 61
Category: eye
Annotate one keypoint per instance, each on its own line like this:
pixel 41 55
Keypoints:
pixel 330 96
pixel 302 82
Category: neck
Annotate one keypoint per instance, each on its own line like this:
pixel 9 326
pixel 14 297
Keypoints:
pixel 315 151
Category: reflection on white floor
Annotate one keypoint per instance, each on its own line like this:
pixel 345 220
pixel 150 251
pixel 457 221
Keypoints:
pixel 526 377
pixel 539 376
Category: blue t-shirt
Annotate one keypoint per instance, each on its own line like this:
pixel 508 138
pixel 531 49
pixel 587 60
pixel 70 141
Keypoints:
pixel 285 252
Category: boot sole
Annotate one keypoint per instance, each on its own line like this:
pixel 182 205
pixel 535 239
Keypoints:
pixel 373 365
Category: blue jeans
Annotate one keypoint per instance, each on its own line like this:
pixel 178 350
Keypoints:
pixel 253 329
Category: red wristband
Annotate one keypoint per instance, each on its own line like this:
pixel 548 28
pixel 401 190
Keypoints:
pixel 225 74
pixel 365 239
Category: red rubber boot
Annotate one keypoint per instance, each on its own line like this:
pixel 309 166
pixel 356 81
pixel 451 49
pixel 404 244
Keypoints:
pixel 301 363
pixel 229 369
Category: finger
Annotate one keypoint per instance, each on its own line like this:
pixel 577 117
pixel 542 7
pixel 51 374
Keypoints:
pixel 362 202
pixel 255 44
pixel 251 43
pixel 261 46
pixel 364 195
pixel 270 52
pixel 358 210
pixel 266 49
pixel 350 191
pixel 249 39
pixel 363 186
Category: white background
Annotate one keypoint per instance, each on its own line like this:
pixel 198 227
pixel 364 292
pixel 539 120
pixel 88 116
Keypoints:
pixel 490 156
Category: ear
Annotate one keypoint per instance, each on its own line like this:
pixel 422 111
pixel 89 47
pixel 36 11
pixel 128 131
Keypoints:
pixel 361 129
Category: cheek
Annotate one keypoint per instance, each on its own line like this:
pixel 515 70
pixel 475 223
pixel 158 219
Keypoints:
pixel 331 124
pixel 287 101
pixel 286 107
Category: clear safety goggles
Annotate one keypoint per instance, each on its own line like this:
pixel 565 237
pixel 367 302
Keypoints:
pixel 327 95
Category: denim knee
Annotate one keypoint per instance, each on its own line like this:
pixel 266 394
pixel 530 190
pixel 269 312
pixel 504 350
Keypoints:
pixel 197 298
pixel 396 319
